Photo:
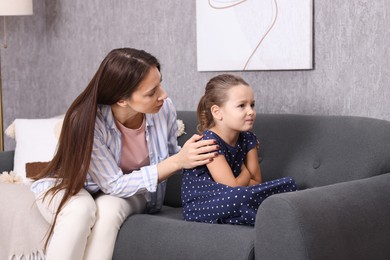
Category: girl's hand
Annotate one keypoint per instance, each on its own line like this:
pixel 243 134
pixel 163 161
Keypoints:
pixel 196 152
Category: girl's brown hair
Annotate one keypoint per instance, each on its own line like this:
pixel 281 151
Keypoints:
pixel 215 94
pixel 117 77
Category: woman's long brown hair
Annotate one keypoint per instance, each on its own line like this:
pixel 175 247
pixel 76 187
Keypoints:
pixel 118 76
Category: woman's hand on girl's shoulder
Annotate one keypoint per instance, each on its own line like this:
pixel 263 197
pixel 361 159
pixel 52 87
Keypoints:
pixel 196 152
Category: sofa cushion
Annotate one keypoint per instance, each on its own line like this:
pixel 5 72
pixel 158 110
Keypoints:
pixel 166 236
pixel 34 168
pixel 36 141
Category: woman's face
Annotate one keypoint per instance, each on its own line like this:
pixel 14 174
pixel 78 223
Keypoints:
pixel 149 96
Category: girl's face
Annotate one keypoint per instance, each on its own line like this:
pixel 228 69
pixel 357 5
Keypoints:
pixel 238 111
pixel 149 96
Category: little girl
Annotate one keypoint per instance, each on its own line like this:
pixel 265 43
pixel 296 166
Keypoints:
pixel 229 189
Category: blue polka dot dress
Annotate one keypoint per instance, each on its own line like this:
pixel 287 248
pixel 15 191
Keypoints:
pixel 205 200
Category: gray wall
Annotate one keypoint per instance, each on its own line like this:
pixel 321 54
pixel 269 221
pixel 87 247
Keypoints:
pixel 53 54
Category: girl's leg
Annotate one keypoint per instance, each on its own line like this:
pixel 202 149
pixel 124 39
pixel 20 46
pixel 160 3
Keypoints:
pixel 73 224
pixel 111 213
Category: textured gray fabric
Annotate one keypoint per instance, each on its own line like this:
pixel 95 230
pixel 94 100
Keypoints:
pixel 348 220
pixel 167 236
pixel 6 161
pixel 172 194
pixel 322 150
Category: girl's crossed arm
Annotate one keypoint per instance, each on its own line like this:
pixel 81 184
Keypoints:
pixel 252 164
pixel 222 173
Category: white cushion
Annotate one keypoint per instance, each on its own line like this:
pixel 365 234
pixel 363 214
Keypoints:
pixel 36 141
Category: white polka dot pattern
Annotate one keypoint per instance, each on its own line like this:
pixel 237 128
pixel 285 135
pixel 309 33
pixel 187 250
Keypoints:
pixel 204 200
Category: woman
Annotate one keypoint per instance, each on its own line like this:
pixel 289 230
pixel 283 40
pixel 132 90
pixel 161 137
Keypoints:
pixel 118 143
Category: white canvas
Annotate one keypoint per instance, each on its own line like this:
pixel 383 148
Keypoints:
pixel 277 33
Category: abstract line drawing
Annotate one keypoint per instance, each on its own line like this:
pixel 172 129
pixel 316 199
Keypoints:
pixel 254 34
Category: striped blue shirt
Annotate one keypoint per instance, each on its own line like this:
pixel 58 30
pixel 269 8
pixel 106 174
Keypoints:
pixel 104 172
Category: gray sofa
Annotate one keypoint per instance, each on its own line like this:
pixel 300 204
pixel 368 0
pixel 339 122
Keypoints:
pixel 342 210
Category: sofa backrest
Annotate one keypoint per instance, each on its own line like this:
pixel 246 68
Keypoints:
pixel 322 150
pixel 314 150
pixel 7 161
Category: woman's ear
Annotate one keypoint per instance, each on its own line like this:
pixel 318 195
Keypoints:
pixel 216 112
pixel 122 103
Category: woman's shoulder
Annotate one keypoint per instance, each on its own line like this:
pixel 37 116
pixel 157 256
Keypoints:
pixel 104 115
pixel 104 120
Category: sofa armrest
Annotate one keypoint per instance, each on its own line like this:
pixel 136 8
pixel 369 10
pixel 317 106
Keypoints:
pixel 347 220
pixel 7 161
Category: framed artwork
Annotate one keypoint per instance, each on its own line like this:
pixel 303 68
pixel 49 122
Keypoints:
pixel 235 35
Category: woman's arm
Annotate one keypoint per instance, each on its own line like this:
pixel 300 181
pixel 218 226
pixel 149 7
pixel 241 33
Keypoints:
pixel 252 164
pixel 108 176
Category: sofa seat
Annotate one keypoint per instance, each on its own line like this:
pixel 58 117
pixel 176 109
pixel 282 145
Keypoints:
pixel 172 238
